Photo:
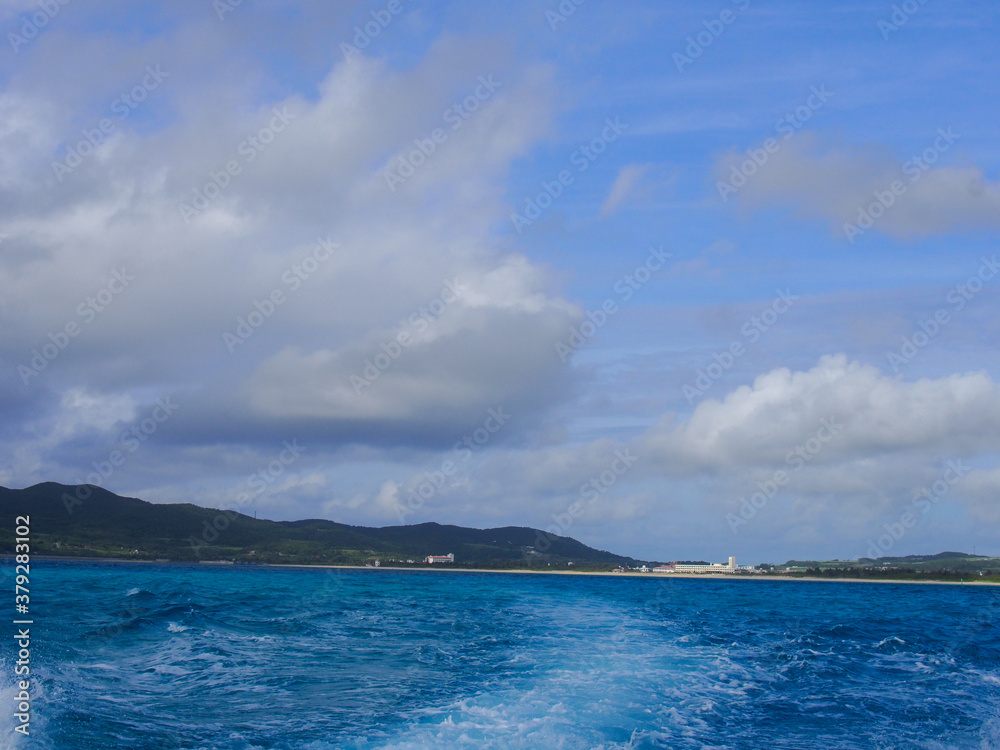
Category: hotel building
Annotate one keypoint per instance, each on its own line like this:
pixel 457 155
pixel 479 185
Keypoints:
pixel 731 567
pixel 431 559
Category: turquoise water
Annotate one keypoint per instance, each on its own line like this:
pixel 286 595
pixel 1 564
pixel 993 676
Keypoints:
pixel 136 656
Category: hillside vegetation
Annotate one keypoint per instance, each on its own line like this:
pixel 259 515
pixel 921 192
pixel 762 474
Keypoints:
pixel 104 524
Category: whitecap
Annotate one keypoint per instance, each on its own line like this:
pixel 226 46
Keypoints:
pixel 173 627
pixel 890 639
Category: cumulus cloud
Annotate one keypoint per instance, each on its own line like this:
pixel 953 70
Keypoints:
pixel 210 223
pixel 853 443
pixel 869 412
pixel 858 431
pixel 262 141
pixel 836 184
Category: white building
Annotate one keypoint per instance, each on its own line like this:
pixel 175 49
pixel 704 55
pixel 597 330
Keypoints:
pixel 731 567
pixel 431 559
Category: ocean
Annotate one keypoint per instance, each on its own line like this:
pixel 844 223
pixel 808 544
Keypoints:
pixel 239 658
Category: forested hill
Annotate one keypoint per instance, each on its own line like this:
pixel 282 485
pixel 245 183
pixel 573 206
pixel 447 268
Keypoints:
pixel 89 521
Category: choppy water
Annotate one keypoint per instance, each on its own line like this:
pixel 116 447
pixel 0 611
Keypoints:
pixel 130 656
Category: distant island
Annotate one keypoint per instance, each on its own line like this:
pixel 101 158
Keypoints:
pixel 86 521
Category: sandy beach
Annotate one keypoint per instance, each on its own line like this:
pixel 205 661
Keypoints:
pixel 632 574
pixel 522 571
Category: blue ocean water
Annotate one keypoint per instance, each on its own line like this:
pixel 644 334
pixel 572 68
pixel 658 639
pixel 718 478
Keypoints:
pixel 140 656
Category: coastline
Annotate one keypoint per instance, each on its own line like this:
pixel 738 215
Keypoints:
pixel 524 571
pixel 660 576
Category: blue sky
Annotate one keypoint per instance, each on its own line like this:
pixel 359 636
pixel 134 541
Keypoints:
pixel 277 256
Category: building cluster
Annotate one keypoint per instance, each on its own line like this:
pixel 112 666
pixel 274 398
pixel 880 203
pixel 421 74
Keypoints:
pixel 431 559
pixel 717 568
pixel 730 567
pixel 721 568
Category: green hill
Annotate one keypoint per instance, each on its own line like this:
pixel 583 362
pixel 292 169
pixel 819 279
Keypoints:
pixel 107 525
pixel 942 566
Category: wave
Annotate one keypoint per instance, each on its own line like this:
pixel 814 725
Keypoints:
pixel 245 659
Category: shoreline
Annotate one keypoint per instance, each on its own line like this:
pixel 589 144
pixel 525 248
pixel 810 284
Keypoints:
pixel 523 571
pixel 663 576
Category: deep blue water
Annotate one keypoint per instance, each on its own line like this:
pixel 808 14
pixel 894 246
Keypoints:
pixel 136 656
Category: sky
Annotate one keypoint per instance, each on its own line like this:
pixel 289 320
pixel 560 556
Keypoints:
pixel 681 280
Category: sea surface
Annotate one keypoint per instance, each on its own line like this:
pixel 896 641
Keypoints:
pixel 235 658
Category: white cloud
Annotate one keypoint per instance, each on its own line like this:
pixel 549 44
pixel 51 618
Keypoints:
pixel 889 439
pixel 322 174
pixel 836 184
pixel 623 187
pixel 873 414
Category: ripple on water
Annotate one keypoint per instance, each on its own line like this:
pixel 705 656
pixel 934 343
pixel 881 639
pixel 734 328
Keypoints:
pixel 187 658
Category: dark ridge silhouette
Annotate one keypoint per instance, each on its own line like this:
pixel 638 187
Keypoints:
pixel 88 521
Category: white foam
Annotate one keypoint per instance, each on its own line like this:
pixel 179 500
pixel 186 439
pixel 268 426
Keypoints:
pixel 9 739
pixel 890 639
